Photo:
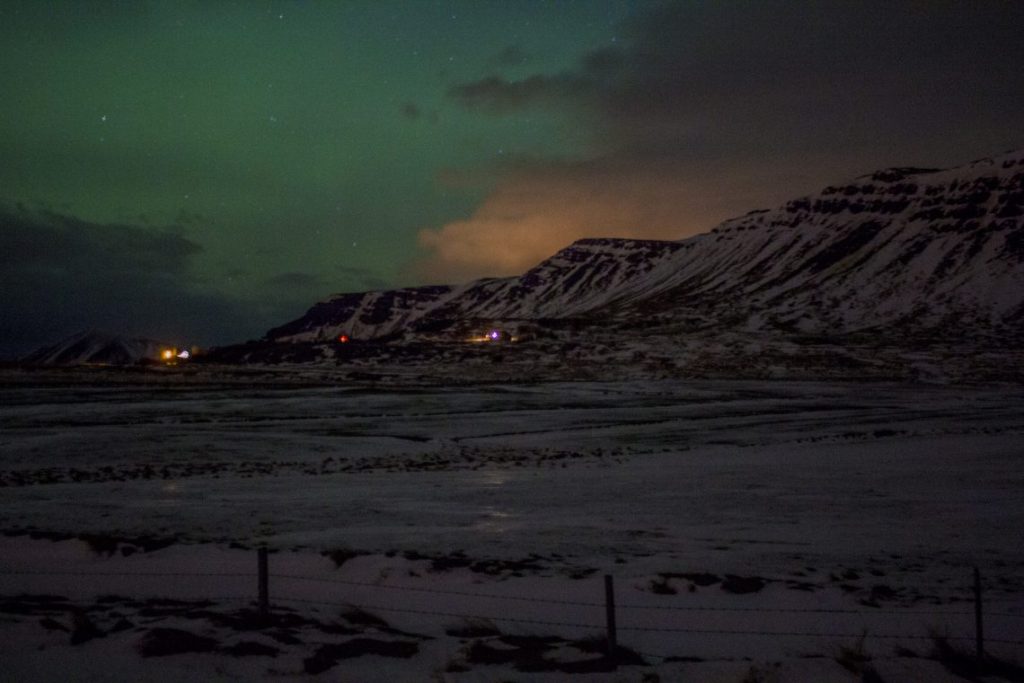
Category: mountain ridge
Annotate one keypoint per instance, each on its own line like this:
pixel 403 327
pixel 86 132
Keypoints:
pixel 96 347
pixel 902 247
pixel 870 254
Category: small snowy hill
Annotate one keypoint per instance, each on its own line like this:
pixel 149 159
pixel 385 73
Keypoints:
pixel 899 250
pixel 96 347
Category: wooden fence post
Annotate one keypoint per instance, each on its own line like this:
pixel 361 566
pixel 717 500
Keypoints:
pixel 609 611
pixel 979 632
pixel 264 589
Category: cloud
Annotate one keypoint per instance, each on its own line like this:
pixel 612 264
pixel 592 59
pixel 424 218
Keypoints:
pixel 497 95
pixel 703 111
pixel 296 280
pixel 542 207
pixel 312 286
pixel 363 279
pixel 511 55
pixel 773 73
pixel 410 110
pixel 60 274
pixel 41 240
pixel 183 217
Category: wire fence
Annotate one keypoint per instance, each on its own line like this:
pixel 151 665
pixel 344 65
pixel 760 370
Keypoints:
pixel 638 613
pixel 522 598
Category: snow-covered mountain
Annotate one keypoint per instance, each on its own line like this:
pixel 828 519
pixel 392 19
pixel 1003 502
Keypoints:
pixel 901 249
pixel 584 276
pixel 907 248
pixel 96 347
pixel 364 315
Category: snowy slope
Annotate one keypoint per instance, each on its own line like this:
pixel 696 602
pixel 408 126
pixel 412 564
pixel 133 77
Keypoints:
pixel 930 249
pixel 461 520
pixel 96 347
pixel 363 315
pixel 583 276
pixel 901 248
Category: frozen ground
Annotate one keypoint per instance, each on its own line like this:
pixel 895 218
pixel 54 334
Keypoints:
pixel 856 509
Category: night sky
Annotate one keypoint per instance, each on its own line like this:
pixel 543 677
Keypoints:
pixel 201 171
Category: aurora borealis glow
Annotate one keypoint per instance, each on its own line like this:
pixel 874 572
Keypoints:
pixel 200 171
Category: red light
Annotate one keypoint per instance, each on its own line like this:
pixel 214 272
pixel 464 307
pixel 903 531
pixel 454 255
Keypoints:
pixel 343 338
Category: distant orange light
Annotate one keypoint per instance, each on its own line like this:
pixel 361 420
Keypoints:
pixel 167 354
pixel 343 338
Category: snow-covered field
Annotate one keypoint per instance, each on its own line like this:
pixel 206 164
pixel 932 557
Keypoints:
pixel 754 530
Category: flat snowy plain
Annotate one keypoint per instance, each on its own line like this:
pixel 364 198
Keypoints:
pixel 756 531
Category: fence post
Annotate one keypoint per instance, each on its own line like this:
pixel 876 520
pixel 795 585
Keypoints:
pixel 609 611
pixel 264 589
pixel 979 633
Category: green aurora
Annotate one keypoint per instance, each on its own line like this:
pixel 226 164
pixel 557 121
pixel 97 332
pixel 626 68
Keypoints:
pixel 204 170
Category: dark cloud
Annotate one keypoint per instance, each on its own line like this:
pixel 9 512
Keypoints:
pixel 60 274
pixel 771 76
pixel 498 95
pixel 289 295
pixel 40 240
pixel 703 111
pixel 312 287
pixel 296 281
pixel 411 111
pixel 183 217
pixel 361 279
pixel 512 55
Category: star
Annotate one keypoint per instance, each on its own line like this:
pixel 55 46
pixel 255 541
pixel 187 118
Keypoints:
pixel 103 118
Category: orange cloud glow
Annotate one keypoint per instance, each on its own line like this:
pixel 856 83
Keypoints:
pixel 534 212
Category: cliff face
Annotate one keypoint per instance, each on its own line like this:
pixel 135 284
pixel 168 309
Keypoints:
pixel 937 250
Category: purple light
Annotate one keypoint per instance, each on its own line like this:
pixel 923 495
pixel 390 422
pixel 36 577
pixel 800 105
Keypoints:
pixel 494 334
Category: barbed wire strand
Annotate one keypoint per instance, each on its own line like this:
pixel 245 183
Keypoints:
pixel 888 636
pixel 793 610
pixel 680 608
pixel 441 591
pixel 522 598
pixel 232 575
pixel 591 627
pixel 454 615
